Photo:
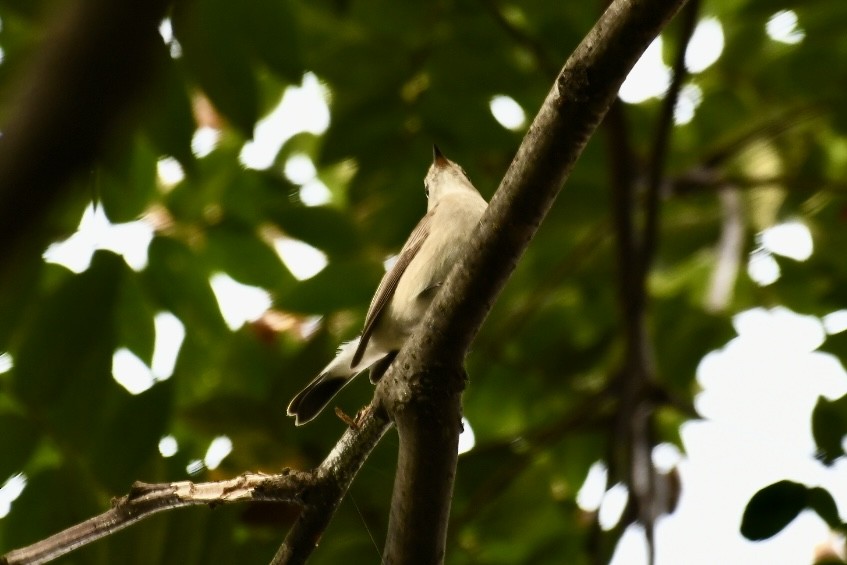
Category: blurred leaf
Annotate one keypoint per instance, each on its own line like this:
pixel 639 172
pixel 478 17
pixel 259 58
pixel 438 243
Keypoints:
pixel 771 509
pixel 271 30
pixel 76 325
pixel 127 184
pixel 219 66
pixel 323 227
pixel 342 284
pixel 829 426
pixel 821 501
pixel 129 438
pixel 246 258
pixel 169 121
pixel 18 441
pixel 179 281
pixel 134 320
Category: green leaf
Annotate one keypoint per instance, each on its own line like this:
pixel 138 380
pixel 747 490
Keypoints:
pixel 70 385
pixel 220 66
pixel 17 443
pixel 129 438
pixel 271 30
pixel 126 184
pixel 169 122
pixel 342 284
pixel 771 509
pixel 179 282
pixel 829 426
pixel 246 258
pixel 134 318
pixel 323 227
pixel 821 501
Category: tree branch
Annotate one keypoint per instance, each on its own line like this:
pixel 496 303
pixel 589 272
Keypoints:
pixel 576 104
pixel 334 476
pixel 319 492
pixel 144 500
pixel 661 141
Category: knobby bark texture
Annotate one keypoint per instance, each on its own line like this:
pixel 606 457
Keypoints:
pixel 578 101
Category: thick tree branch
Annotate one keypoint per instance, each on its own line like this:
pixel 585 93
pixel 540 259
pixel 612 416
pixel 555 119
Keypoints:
pixel 583 92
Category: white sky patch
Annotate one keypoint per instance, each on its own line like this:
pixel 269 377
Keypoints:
pixel 758 392
pixel 168 446
pixel 649 78
pixel 220 447
pixel 612 507
pixel 666 456
pixel 204 141
pixel 315 193
pixel 833 323
pixel 301 109
pixel 632 547
pixel 690 97
pixel 169 172
pixel 239 303
pixel 167 33
pixel 299 169
pixel 170 333
pixel 6 362
pixel 705 47
pixel 2 55
pixel 467 439
pixel 791 239
pixel 782 28
pixel 763 268
pixel 303 260
pixel 131 372
pixel 590 495
pixel 10 491
pixel 507 112
pixel 130 240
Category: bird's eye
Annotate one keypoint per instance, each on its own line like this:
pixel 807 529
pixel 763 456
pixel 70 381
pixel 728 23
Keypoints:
pixel 426 189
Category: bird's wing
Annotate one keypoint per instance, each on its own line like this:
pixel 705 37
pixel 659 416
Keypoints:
pixel 388 284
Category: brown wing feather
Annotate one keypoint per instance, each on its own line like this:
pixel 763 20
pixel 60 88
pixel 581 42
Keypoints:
pixel 388 284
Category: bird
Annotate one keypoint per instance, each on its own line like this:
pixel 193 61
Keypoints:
pixel 454 207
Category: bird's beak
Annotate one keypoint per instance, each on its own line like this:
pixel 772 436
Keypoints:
pixel 438 158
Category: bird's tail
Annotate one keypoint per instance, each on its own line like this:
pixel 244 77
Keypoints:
pixel 310 401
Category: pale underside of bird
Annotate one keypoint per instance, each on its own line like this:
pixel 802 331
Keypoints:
pixel 407 289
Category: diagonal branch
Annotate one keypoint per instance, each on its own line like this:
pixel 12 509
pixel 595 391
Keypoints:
pixel 420 404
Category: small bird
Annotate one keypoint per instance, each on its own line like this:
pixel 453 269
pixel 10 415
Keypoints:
pixel 407 289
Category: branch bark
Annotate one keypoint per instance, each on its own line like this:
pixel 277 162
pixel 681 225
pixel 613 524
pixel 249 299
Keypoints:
pixel 319 492
pixel 578 101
